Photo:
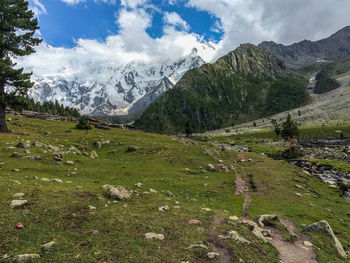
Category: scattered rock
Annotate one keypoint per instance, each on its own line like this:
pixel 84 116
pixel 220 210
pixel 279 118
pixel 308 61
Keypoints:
pixel 211 167
pixel 18 195
pixel 299 194
pixel 37 144
pixel 57 180
pixel 26 257
pixel 70 162
pixel 194 222
pixel 48 246
pixel 234 235
pixel 212 255
pixel 153 191
pixel 306 172
pixel 132 148
pixel 93 155
pixel 256 230
pixel 170 194
pixel 138 185
pixel 163 208
pixel 23 145
pixel 323 226
pixel 262 218
pixel 307 244
pixel 17 203
pixel 117 192
pixel 4 258
pixel 44 179
pixel 206 209
pixel 98 145
pixel 91 207
pixel 154 236
pixel 16 170
pixel 198 246
pixel 53 148
pixel 233 218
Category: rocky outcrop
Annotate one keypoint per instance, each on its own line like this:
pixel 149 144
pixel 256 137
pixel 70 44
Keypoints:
pixel 307 52
pixel 324 227
pixel 117 192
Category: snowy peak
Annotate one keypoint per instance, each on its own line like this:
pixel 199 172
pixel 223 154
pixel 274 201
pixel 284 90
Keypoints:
pixel 113 89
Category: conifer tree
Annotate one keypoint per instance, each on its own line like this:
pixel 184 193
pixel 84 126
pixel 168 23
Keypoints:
pixel 289 129
pixel 17 29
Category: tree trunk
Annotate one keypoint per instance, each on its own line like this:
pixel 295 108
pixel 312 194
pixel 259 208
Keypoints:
pixel 3 126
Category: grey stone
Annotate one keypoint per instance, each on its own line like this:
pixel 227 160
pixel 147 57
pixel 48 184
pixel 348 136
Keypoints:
pixel 117 192
pixel 17 203
pixel 26 257
pixel 93 155
pixel 154 236
pixel 324 227
pixel 48 246
pixel 98 145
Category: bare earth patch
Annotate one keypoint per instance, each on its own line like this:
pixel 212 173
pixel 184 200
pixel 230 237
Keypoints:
pixel 292 252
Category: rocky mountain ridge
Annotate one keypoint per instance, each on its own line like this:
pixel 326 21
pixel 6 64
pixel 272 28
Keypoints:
pixel 333 48
pixel 246 84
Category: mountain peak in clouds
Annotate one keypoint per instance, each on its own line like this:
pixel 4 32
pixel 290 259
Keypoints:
pixel 107 89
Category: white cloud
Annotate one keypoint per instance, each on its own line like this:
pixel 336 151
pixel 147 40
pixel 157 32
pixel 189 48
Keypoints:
pixel 133 3
pixel 37 7
pixel 74 2
pixel 240 21
pixel 173 19
pixel 282 21
pixel 131 44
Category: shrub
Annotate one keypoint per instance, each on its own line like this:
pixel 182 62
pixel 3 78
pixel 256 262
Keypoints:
pixel 83 124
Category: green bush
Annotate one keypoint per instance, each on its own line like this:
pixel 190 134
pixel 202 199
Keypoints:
pixel 83 124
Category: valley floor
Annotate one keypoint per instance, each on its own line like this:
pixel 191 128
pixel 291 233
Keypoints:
pixel 194 211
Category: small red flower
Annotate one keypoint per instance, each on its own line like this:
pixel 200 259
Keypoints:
pixel 19 225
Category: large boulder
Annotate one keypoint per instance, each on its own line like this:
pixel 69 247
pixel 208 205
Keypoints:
pixel 256 230
pixel 263 218
pixel 117 192
pixel 324 227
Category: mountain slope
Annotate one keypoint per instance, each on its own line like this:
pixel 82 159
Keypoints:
pixel 336 47
pixel 246 84
pixel 110 89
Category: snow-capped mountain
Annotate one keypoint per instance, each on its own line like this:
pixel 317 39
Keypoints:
pixel 114 89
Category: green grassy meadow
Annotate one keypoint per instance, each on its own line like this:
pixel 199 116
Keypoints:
pixel 115 230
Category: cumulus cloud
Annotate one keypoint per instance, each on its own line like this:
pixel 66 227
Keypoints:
pixel 131 44
pixel 240 21
pixel 133 3
pixel 74 2
pixel 174 19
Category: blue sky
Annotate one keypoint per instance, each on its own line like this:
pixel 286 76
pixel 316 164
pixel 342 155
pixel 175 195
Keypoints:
pixel 62 23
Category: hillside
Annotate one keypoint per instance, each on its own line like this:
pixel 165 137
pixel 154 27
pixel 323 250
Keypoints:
pixel 191 209
pixel 306 52
pixel 248 83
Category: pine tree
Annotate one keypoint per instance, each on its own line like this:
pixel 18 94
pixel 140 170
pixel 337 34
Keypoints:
pixel 17 28
pixel 289 129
